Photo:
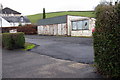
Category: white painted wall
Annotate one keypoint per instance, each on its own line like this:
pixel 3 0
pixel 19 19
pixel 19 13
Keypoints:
pixel 66 28
pixel 54 29
pixel 80 32
pixel 73 18
pixel 4 23
pixel 17 24
pixel 7 24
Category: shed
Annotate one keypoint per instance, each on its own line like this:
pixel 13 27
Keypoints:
pixel 67 25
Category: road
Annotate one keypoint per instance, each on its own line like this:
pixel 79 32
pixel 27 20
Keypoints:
pixel 67 48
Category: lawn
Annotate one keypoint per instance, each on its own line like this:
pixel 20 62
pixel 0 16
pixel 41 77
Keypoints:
pixel 28 46
pixel 36 17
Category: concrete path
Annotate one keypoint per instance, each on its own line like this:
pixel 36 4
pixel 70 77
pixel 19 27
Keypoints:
pixel 27 64
pixel 66 48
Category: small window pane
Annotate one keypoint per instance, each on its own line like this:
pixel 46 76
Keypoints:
pixel 85 24
pixel 74 25
pixel 79 24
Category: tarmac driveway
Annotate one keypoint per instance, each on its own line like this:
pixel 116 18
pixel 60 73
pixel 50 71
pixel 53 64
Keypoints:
pixel 67 48
pixel 27 64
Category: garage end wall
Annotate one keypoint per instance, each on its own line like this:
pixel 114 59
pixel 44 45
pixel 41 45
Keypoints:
pixel 54 29
pixel 80 32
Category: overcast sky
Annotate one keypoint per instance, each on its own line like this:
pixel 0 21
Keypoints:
pixel 28 7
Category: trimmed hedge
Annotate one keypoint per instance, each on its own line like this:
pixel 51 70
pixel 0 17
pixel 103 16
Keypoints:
pixel 107 40
pixel 28 29
pixel 13 40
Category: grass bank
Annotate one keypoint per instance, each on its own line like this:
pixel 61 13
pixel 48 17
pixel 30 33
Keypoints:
pixel 34 18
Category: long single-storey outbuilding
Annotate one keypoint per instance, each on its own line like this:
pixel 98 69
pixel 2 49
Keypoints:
pixel 66 25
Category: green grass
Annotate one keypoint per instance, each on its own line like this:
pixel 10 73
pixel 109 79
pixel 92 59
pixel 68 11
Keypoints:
pixel 36 17
pixel 28 46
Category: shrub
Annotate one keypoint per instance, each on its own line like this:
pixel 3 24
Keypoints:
pixel 19 40
pixel 107 40
pixel 7 41
pixel 13 40
pixel 26 29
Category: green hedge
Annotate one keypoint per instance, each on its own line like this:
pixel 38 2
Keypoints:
pixel 107 40
pixel 13 40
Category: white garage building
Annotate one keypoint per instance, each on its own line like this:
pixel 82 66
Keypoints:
pixel 66 25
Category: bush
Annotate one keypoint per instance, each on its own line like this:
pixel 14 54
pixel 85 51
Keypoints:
pixel 13 40
pixel 26 29
pixel 107 40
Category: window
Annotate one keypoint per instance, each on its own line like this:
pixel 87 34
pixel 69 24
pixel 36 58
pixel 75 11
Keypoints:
pixel 85 24
pixel 74 24
pixel 80 25
pixel 21 19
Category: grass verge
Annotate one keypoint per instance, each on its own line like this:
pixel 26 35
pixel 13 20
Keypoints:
pixel 28 46
pixel 34 18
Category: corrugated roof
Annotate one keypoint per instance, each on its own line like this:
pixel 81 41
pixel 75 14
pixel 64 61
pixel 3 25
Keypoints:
pixel 9 11
pixel 53 20
pixel 16 19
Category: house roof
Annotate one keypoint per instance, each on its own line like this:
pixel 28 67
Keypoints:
pixel 53 20
pixel 16 19
pixel 9 11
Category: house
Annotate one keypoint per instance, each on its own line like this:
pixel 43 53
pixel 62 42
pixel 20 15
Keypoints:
pixel 16 20
pixel 10 18
pixel 67 25
pixel 9 12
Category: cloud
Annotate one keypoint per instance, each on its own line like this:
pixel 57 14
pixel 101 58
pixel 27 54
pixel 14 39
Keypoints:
pixel 28 7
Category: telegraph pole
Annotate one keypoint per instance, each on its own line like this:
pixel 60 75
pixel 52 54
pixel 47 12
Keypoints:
pixel 1 7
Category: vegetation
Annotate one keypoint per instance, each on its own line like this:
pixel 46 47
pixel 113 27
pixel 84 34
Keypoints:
pixel 44 15
pixel 28 29
pixel 36 17
pixel 13 40
pixel 107 39
pixel 28 46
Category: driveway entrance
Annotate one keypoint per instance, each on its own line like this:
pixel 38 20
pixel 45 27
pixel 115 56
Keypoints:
pixel 67 48
pixel 31 64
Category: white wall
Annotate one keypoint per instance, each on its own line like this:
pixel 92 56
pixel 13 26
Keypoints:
pixel 54 29
pixel 17 24
pixel 80 32
pixel 4 23
pixel 7 24
pixel 66 28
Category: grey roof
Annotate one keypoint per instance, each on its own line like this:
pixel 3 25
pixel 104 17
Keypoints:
pixel 16 19
pixel 53 20
pixel 9 11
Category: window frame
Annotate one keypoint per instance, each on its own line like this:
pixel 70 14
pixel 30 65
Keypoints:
pixel 77 28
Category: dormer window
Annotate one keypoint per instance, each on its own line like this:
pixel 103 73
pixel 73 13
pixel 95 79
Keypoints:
pixel 21 19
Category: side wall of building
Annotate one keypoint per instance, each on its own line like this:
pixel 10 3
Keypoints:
pixel 4 23
pixel 80 32
pixel 54 29
pixel 66 28
pixel 17 24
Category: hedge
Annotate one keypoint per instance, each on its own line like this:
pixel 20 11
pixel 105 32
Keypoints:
pixel 13 40
pixel 107 40
pixel 28 29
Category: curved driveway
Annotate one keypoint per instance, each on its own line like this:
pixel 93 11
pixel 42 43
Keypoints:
pixel 68 48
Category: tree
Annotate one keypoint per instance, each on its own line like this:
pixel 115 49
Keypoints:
pixel 44 14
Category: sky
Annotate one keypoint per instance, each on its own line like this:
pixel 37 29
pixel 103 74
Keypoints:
pixel 29 7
